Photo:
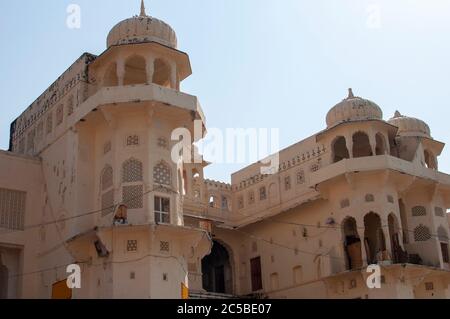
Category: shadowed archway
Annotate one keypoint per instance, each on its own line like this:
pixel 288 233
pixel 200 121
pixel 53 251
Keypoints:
pixel 217 271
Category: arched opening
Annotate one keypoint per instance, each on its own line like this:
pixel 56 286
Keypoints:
pixel 398 254
pixel 212 201
pixel 340 150
pixel 161 76
pixel 361 145
pixel 110 78
pixel 430 160
pixel 217 272
pixel 404 221
pixel 374 238
pixel 135 72
pixel 443 239
pixel 4 276
pixel 380 148
pixel 352 244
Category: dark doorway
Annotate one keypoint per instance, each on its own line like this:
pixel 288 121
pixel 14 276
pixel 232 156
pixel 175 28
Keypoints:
pixel 216 268
pixel 256 274
pixel 3 282
pixel 352 244
pixel 445 255
pixel 219 277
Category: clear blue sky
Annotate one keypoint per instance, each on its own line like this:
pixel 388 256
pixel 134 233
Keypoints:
pixel 256 63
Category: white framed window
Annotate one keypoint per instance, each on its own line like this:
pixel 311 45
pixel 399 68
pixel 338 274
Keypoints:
pixel 162 210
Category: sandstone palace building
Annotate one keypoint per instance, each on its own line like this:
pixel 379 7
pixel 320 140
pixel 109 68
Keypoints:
pixel 89 180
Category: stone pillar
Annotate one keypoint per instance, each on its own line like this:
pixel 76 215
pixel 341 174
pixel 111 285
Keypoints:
pixel 173 76
pixel 373 143
pixel 150 68
pixel 120 71
pixel 361 230
pixel 349 144
pixel 388 144
pixel 387 239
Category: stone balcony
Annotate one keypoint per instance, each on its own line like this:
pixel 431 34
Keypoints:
pixel 375 163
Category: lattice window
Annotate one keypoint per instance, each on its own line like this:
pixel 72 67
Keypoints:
pixel 108 203
pixel 390 199
pixel 251 197
pixel 162 142
pixel 419 211
pixel 133 196
pixel 133 140
pixel 345 203
pixel 132 245
pixel 164 246
pixel 300 177
pixel 49 123
pixel 370 198
pixel 107 147
pixel 12 209
pixel 262 193
pixel 59 114
pixel 132 171
pixel 439 212
pixel 422 233
pixel 30 141
pixel 107 178
pixel 161 174
pixel 442 234
pixel 287 183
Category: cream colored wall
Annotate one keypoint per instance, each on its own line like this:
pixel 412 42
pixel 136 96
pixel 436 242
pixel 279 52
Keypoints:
pixel 270 233
pixel 24 174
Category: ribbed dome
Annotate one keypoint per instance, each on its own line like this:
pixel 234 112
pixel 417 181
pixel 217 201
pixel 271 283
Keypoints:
pixel 353 109
pixel 142 29
pixel 410 126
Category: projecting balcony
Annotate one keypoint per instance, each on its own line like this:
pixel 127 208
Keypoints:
pixel 377 163
pixel 138 93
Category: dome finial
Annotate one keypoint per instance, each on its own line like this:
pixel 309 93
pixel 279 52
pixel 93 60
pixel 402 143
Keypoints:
pixel 350 93
pixel 143 14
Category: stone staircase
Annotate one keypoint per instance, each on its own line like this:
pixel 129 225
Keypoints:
pixel 213 295
pixel 210 295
